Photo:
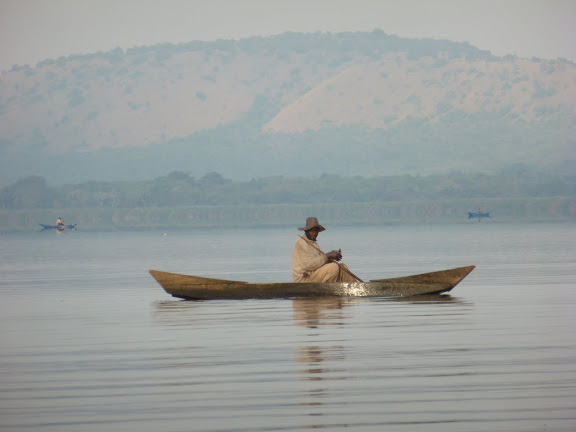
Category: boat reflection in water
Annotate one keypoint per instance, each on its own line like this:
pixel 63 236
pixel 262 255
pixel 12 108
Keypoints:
pixel 320 358
pixel 219 338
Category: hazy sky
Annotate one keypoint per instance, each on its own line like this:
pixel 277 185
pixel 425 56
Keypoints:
pixel 33 30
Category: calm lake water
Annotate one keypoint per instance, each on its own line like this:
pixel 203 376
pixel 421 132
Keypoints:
pixel 90 342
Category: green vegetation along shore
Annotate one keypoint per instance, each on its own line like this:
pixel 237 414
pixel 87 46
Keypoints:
pixel 181 201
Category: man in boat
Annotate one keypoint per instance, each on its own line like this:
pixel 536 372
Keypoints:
pixel 59 222
pixel 310 264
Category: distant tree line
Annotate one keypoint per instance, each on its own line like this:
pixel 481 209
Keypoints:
pixel 370 44
pixel 181 189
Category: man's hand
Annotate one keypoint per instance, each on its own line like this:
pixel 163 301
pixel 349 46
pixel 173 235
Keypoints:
pixel 334 255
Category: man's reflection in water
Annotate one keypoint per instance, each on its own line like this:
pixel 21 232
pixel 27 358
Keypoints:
pixel 314 314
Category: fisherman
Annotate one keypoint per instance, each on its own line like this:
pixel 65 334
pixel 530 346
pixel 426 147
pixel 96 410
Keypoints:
pixel 59 222
pixel 310 264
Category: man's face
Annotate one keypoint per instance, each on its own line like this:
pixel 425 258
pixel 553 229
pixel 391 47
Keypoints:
pixel 312 233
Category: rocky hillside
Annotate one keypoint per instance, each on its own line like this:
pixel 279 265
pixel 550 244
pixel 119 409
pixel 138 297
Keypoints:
pixel 276 91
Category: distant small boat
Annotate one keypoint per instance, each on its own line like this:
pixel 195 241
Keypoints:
pixel 58 227
pixel 478 215
pixel 200 288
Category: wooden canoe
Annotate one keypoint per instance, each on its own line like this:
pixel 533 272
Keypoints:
pixel 201 288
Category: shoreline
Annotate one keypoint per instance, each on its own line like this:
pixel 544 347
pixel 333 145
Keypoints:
pixel 509 210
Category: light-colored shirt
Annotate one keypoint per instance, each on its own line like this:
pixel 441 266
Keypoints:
pixel 306 257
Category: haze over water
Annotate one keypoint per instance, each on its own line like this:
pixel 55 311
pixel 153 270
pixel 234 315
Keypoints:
pixel 90 342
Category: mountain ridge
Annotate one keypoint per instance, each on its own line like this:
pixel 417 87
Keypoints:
pixel 226 104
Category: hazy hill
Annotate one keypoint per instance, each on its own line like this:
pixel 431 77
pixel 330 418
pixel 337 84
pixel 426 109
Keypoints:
pixel 293 104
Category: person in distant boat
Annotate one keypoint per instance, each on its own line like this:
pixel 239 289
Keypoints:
pixel 310 264
pixel 59 222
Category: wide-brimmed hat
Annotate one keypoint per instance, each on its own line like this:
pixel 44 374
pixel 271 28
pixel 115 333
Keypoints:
pixel 312 222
